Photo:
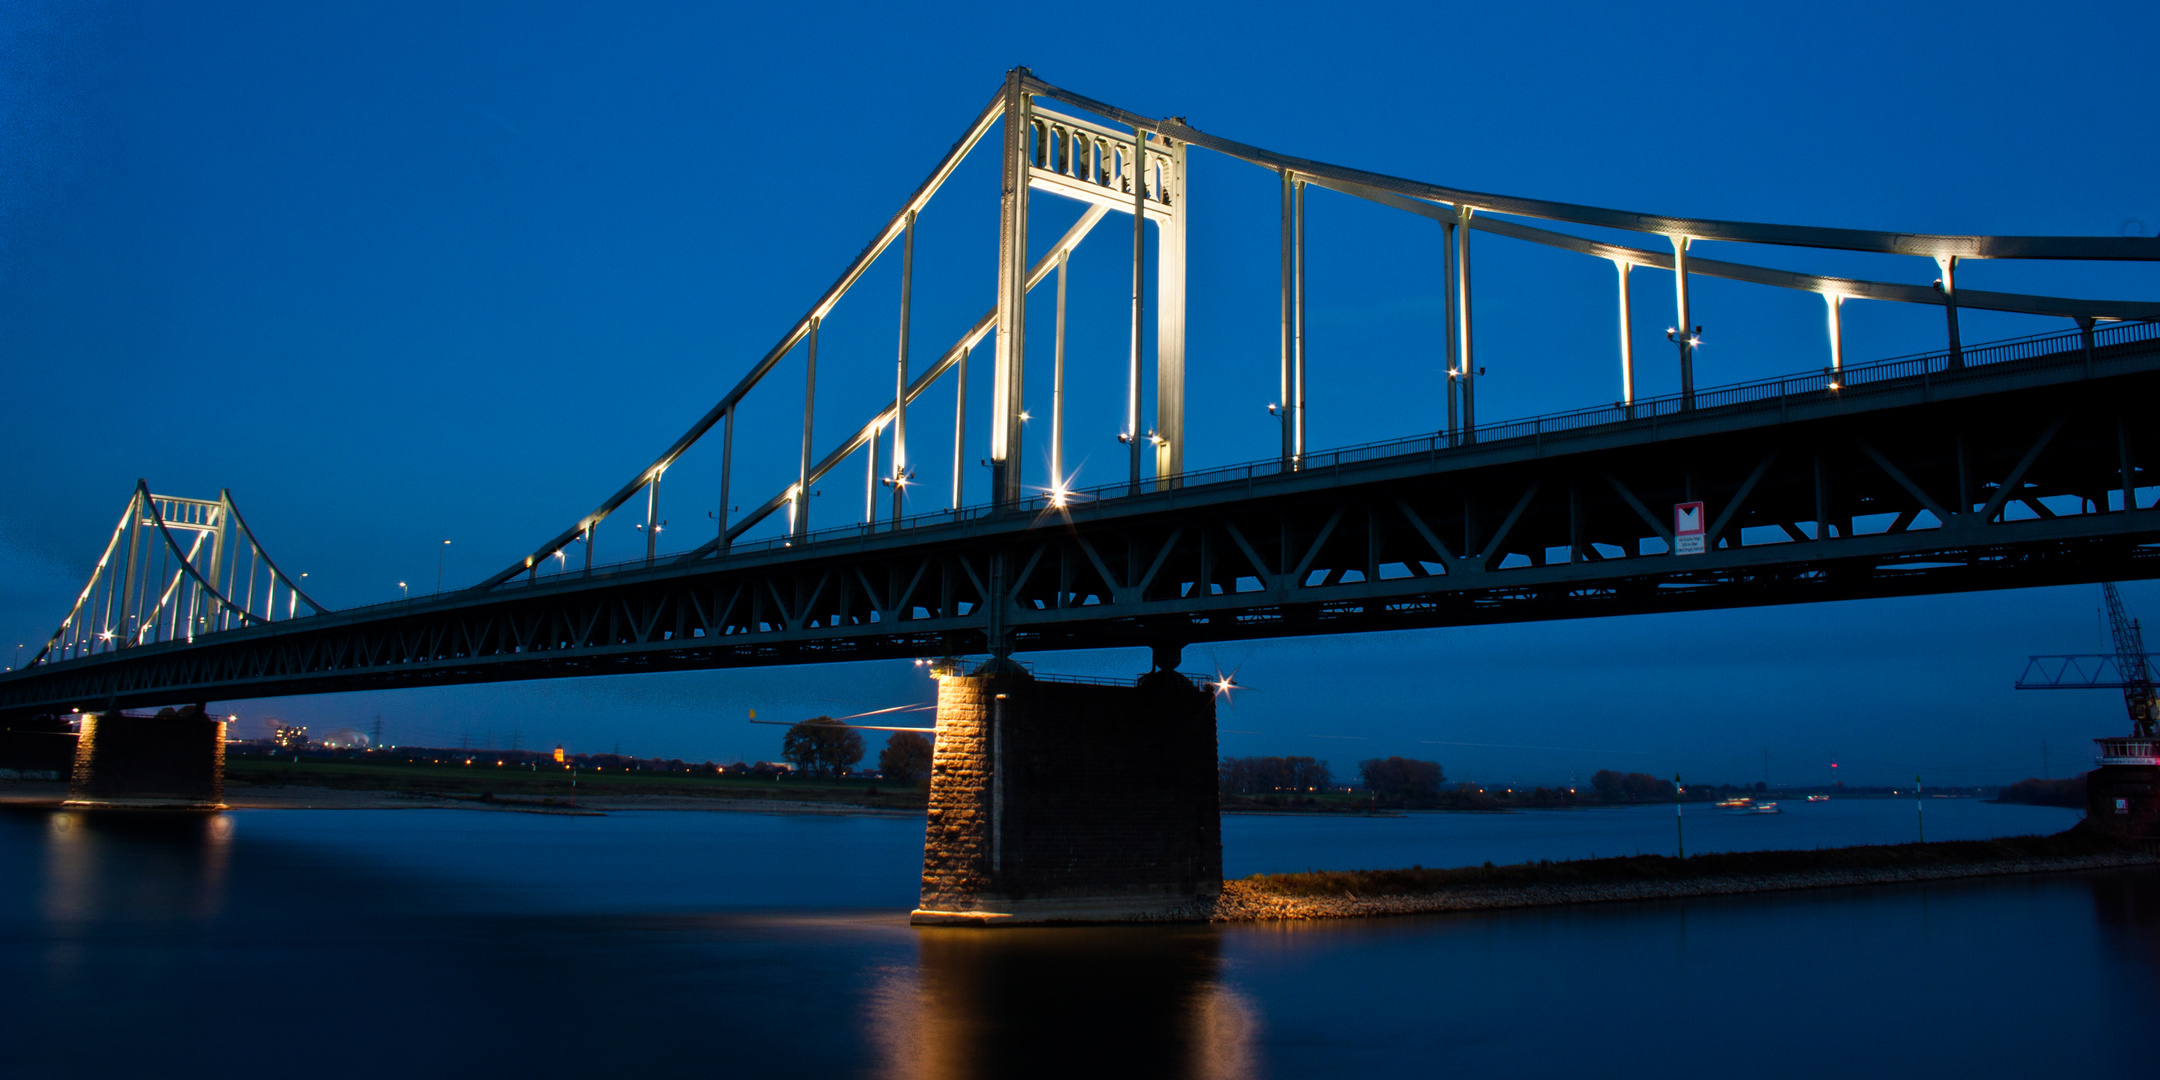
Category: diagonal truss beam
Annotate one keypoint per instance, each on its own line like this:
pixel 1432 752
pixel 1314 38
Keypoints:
pixel 2016 479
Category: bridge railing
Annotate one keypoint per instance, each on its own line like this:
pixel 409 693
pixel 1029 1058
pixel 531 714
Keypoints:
pixel 2036 352
pixel 2057 350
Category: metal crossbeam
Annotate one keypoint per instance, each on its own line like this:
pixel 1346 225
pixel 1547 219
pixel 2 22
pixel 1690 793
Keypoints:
pixel 2085 672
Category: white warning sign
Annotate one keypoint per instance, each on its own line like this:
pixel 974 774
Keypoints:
pixel 1687 528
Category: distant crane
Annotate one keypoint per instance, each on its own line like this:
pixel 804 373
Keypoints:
pixel 2131 661
pixel 2129 668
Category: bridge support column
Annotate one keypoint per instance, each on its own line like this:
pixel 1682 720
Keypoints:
pixel 1009 372
pixel 1466 353
pixel 1065 802
pixel 1947 285
pixel 1683 333
pixel 1170 319
pixel 173 759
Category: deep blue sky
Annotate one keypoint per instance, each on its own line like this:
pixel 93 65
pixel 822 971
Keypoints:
pixel 400 273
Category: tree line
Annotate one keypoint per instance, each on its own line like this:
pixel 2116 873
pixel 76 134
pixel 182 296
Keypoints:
pixel 823 746
pixel 1630 787
pixel 1414 783
pixel 1395 779
pixel 2034 791
pixel 1273 775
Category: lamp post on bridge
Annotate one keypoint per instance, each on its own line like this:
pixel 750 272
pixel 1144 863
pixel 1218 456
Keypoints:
pixel 440 553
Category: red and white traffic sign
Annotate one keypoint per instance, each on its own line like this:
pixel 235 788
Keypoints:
pixel 1688 528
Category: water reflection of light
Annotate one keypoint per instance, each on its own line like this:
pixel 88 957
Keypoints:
pixel 68 868
pixel 1224 1029
pixel 136 865
pixel 1110 1001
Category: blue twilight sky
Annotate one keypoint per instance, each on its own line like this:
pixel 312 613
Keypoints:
pixel 396 273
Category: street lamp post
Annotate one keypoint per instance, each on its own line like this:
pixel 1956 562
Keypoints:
pixel 439 554
pixel 408 589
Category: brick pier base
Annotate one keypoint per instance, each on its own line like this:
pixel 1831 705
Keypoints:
pixel 1068 802
pixel 162 761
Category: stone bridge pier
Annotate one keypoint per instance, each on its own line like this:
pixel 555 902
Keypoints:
pixel 174 759
pixel 1056 801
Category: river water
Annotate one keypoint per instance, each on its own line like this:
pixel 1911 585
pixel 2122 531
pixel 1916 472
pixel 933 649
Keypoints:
pixel 456 943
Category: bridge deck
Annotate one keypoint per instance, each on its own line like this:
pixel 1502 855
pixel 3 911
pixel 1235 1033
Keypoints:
pixel 1909 477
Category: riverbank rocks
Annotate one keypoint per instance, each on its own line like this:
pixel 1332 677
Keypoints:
pixel 1252 900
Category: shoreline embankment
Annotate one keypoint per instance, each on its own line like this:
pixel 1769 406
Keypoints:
pixel 1418 891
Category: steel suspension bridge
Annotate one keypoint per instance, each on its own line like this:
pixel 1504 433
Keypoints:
pixel 1998 465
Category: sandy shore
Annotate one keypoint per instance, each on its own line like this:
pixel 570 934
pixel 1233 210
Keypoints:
pixel 1248 901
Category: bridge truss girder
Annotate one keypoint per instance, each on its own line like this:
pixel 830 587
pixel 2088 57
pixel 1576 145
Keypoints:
pixel 2003 479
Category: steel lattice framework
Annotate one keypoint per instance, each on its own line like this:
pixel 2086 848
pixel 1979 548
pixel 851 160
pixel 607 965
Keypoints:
pixel 1971 467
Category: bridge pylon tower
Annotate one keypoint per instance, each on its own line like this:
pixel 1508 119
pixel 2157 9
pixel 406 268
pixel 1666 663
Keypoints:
pixel 149 588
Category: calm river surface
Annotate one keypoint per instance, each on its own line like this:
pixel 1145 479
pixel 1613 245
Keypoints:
pixel 454 943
